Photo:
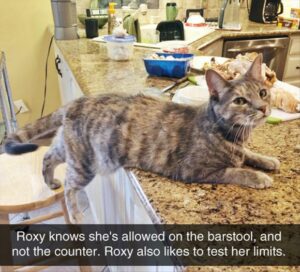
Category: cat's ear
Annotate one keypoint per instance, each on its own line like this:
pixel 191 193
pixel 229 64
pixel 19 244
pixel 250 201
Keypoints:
pixel 215 82
pixel 255 70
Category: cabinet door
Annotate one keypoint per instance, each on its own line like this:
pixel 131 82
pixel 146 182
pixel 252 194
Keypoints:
pixel 292 65
pixel 295 46
pixel 213 49
pixel 114 200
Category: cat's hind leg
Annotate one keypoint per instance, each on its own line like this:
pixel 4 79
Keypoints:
pixel 260 161
pixel 79 173
pixel 246 177
pixel 53 157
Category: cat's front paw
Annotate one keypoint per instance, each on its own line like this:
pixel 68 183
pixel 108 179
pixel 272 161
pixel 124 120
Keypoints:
pixel 275 164
pixel 261 181
pixel 269 164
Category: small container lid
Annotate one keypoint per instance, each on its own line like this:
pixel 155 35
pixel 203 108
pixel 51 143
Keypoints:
pixel 125 39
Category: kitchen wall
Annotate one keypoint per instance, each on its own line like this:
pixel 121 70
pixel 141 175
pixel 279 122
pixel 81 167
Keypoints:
pixel 24 39
pixel 288 4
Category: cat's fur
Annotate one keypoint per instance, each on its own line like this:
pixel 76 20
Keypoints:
pixel 192 144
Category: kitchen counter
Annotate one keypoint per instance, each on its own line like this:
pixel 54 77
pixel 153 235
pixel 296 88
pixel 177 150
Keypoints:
pixel 201 203
pixel 180 203
pixel 249 29
pixel 94 72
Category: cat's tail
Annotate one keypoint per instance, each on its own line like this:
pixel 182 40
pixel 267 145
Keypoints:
pixel 21 141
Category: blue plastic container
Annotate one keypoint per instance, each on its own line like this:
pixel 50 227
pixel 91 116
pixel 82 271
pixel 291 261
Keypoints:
pixel 169 68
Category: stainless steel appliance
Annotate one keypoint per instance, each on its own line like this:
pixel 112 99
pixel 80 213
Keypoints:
pixel 265 11
pixel 65 19
pixel 274 51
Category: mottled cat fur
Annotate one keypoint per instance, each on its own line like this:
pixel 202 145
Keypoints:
pixel 192 144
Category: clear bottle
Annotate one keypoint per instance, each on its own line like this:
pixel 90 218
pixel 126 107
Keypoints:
pixel 112 20
pixel 236 14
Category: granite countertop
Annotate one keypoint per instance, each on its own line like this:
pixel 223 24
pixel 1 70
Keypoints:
pixel 179 203
pixel 176 202
pixel 96 74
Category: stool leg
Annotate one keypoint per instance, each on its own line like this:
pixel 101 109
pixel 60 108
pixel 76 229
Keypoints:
pixel 4 220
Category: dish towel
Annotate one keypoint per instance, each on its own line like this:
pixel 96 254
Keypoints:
pixel 132 27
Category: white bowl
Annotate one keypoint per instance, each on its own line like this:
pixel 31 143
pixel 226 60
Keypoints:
pixel 195 20
pixel 191 95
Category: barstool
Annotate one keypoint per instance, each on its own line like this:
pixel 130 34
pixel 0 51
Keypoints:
pixel 22 186
pixel 22 189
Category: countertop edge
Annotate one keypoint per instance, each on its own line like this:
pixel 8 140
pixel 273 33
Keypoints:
pixel 225 34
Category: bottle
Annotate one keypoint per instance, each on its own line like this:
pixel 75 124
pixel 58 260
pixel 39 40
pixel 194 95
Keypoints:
pixel 111 17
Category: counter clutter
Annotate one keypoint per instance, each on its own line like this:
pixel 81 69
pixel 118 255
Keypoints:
pixel 176 202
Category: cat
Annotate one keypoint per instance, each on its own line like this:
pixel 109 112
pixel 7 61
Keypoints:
pixel 194 144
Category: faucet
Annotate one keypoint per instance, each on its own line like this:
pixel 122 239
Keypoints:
pixel 133 4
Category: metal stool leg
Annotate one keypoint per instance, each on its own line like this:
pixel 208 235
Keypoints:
pixel 6 103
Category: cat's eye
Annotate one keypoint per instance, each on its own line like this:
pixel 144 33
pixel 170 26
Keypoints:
pixel 240 101
pixel 263 93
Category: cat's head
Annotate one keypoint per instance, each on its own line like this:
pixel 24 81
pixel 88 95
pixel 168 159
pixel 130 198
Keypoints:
pixel 241 102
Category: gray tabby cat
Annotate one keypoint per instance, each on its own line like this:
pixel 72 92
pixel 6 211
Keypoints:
pixel 193 144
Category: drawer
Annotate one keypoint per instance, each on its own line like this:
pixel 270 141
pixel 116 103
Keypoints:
pixel 295 46
pixel 292 68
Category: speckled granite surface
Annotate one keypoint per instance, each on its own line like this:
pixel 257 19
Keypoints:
pixel 176 202
pixel 95 73
pixel 180 203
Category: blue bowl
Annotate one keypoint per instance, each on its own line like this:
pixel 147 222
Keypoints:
pixel 169 68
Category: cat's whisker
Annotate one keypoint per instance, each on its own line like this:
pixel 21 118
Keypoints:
pixel 230 129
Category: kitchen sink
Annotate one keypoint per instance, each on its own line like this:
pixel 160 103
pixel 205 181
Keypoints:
pixel 150 38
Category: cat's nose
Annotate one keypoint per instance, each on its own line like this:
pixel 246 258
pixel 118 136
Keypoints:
pixel 263 109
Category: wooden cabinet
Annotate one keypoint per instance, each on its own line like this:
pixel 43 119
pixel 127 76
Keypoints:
pixel 292 66
pixel 213 49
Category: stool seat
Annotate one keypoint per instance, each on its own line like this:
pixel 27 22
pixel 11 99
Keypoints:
pixel 22 185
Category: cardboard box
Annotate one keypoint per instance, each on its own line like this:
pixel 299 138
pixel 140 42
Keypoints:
pixel 288 22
